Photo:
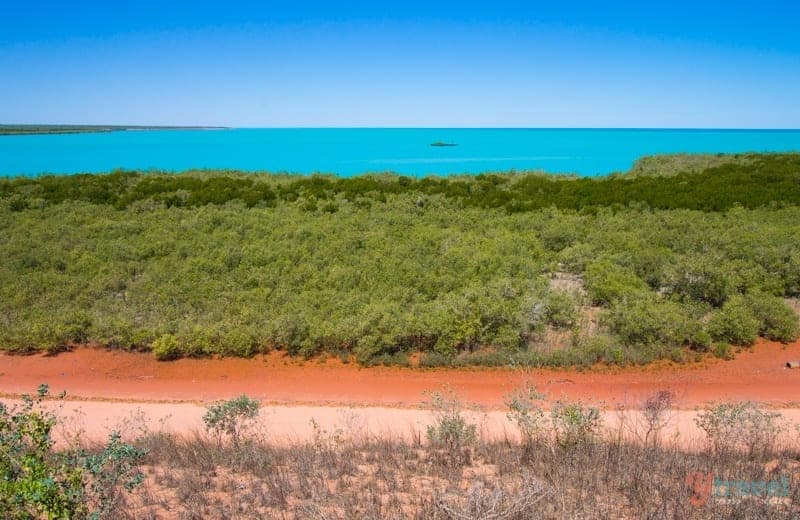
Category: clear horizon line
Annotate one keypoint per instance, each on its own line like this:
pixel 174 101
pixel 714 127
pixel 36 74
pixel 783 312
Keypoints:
pixel 404 127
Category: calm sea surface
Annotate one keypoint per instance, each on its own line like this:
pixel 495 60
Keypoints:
pixel 353 151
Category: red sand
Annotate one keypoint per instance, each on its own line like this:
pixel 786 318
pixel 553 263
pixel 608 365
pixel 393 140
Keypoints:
pixel 97 374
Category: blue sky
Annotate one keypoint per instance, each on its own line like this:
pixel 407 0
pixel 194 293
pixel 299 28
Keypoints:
pixel 434 63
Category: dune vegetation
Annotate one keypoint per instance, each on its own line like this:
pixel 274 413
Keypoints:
pixel 494 269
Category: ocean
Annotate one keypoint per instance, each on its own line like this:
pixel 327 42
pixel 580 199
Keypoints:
pixel 352 151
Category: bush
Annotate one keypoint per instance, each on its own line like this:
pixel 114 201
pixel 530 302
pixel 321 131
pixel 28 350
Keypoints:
pixel 231 418
pixel 560 310
pixel 166 348
pixel 398 359
pixel 734 323
pixel 450 433
pixel 699 278
pixel 778 322
pixel 525 410
pixel 38 482
pixel 239 343
pixel 573 423
pixel 656 410
pixel 435 360
pixel 723 351
pixel 648 320
pixel 607 283
pixel 600 347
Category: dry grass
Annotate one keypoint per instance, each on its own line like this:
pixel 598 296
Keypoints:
pixel 345 476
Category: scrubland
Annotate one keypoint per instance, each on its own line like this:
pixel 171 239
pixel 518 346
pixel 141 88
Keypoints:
pixel 495 269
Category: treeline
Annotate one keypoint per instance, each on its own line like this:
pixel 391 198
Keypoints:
pixel 81 129
pixel 750 181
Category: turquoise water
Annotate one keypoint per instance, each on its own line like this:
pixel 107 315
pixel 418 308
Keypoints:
pixel 354 151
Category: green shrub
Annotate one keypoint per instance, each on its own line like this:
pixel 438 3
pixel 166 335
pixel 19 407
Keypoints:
pixel 290 332
pixel 700 278
pixel 650 264
pixel 373 345
pixel 231 264
pixel 231 418
pixel 607 283
pixel 649 320
pixel 701 340
pixel 576 257
pixel 734 323
pixel 198 342
pixel 435 360
pixel 600 347
pixel 238 342
pixel 398 359
pixel 560 310
pixel 574 424
pixel 166 348
pixel 36 481
pixel 723 350
pixel 451 434
pixel 778 321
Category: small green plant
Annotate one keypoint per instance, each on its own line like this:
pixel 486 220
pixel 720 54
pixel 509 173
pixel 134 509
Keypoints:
pixel 723 351
pixel 231 418
pixel 451 433
pixel 573 423
pixel 166 348
pixel 740 426
pixel 36 481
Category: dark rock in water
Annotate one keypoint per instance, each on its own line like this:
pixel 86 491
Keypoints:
pixel 440 143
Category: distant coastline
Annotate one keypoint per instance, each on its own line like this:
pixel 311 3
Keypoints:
pixel 89 129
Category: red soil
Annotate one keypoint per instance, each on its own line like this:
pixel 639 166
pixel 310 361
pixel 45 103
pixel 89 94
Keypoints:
pixel 93 373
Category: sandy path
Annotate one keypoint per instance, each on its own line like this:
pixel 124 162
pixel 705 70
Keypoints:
pixel 94 420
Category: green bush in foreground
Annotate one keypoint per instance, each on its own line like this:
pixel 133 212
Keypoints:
pixel 231 418
pixel 451 433
pixel 574 423
pixel 37 481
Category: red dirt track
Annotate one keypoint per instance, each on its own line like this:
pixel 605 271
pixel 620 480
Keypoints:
pixel 89 373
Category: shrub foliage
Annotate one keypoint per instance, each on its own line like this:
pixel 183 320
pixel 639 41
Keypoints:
pixel 379 266
pixel 38 481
